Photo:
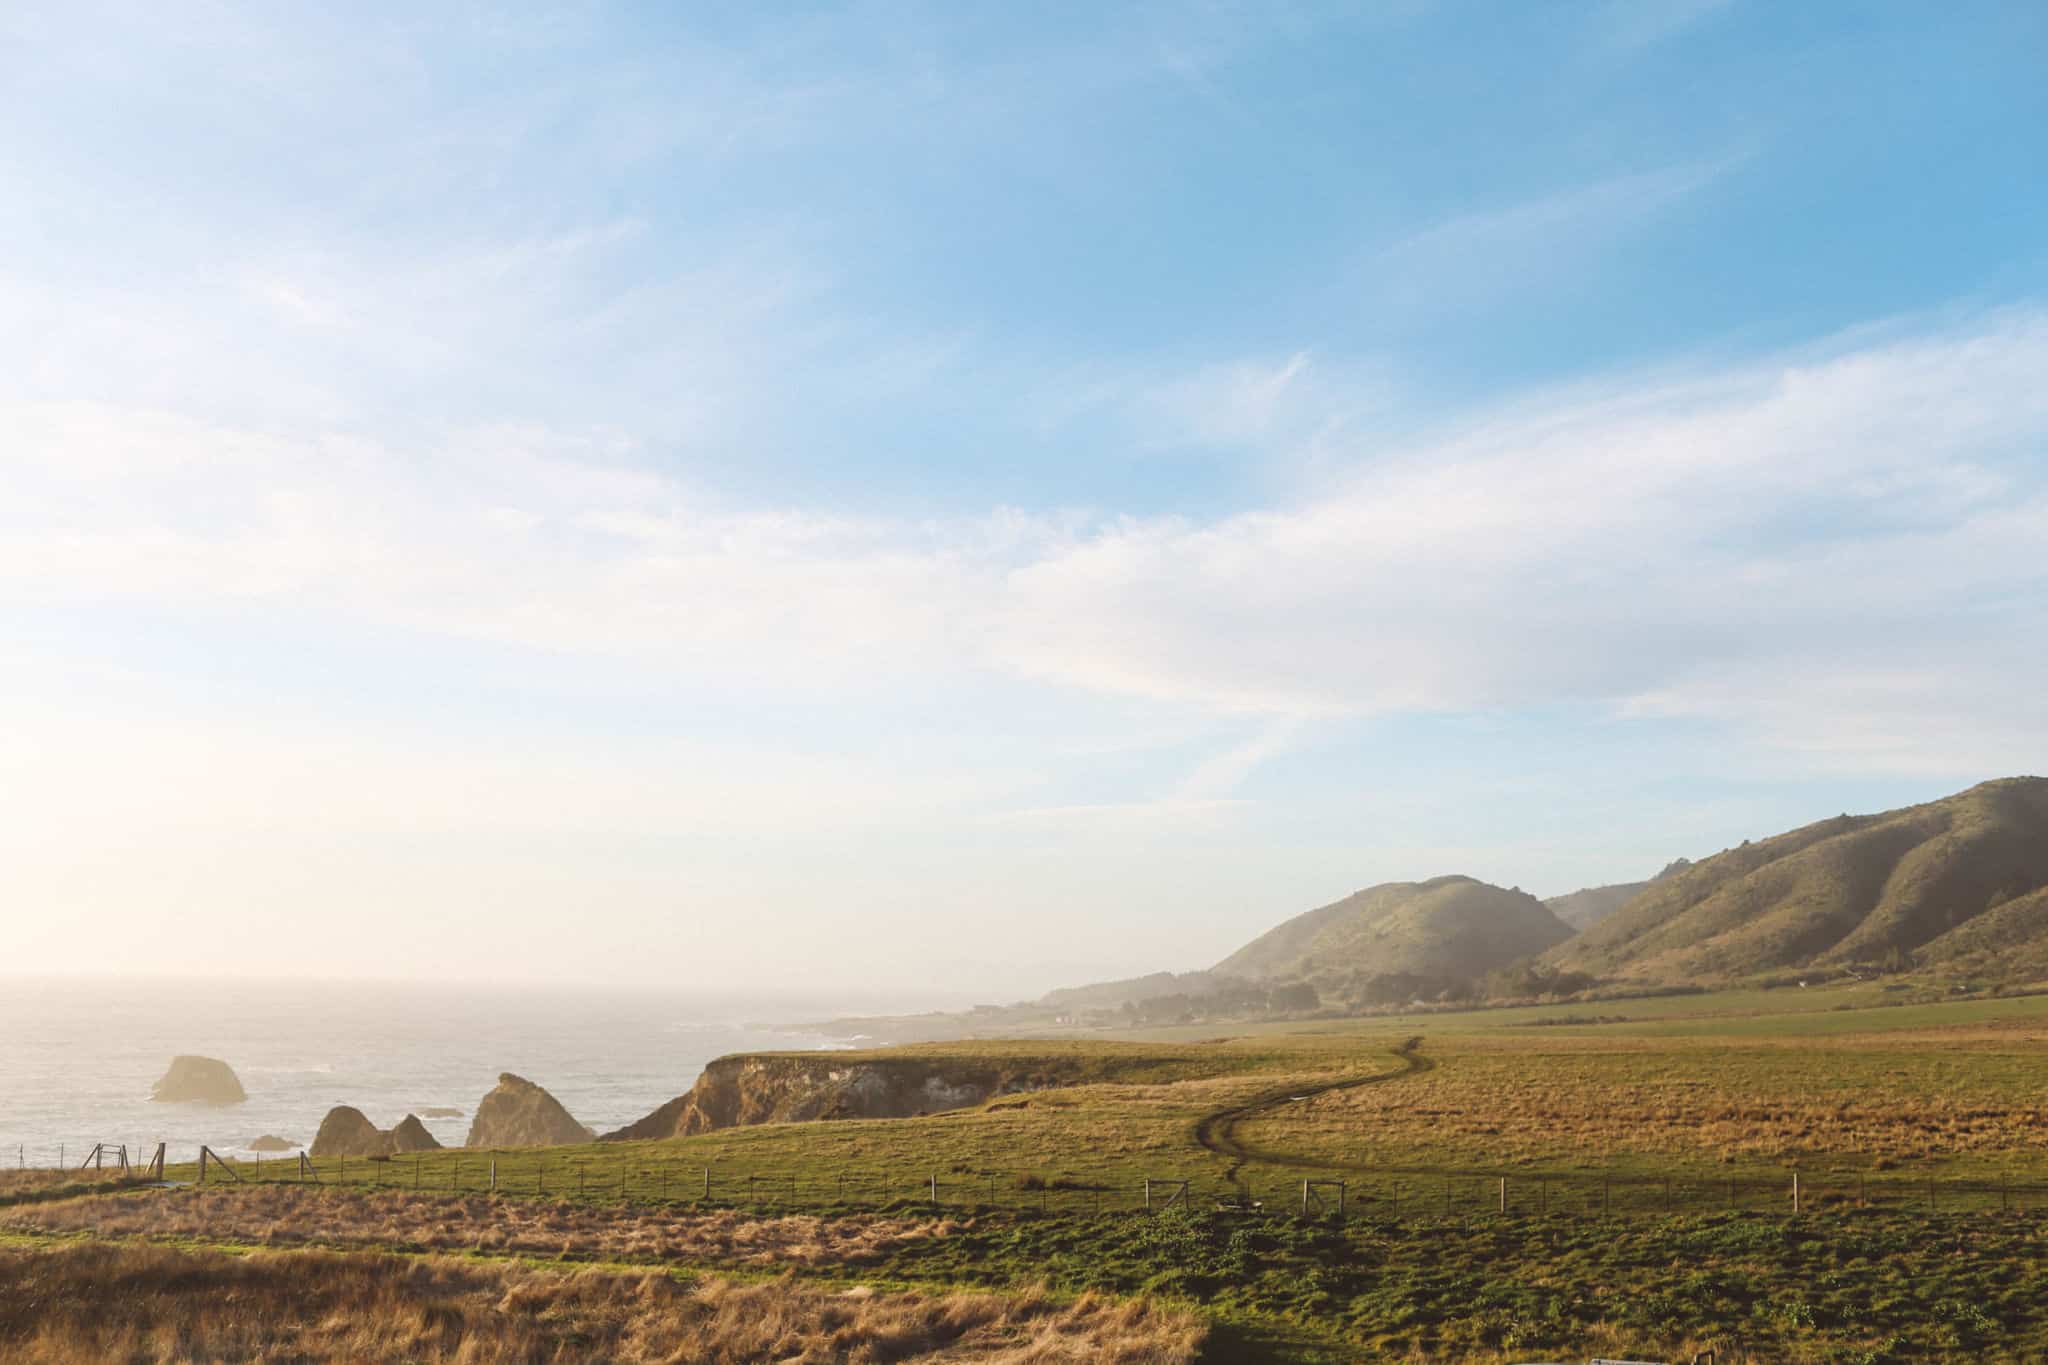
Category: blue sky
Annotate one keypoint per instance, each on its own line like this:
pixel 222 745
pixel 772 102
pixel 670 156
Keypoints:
pixel 990 495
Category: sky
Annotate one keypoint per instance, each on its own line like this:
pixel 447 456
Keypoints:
pixel 978 497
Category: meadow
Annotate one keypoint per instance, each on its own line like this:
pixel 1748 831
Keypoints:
pixel 1553 1180
pixel 88 1303
pixel 1639 1099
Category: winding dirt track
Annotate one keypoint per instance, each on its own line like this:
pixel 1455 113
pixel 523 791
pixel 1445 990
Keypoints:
pixel 1217 1131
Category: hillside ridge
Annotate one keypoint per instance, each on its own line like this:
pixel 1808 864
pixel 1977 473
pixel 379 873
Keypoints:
pixel 1887 889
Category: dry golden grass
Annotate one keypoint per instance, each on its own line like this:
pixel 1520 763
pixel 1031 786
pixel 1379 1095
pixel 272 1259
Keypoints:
pixel 86 1303
pixel 282 1215
pixel 1936 1098
pixel 17 1183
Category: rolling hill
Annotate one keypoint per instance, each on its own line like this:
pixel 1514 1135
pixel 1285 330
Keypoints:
pixel 1955 881
pixel 1586 908
pixel 1401 939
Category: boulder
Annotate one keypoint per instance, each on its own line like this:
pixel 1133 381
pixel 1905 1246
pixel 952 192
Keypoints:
pixel 410 1136
pixel 518 1113
pixel 346 1132
pixel 271 1142
pixel 198 1080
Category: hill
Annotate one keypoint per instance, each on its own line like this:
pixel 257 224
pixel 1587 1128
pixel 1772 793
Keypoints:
pixel 1401 939
pixel 1586 908
pixel 1952 881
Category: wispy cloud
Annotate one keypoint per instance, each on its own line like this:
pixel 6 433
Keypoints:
pixel 1483 253
pixel 1855 506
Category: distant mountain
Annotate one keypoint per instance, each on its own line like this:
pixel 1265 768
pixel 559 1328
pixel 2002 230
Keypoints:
pixel 1111 994
pixel 1584 909
pixel 1402 939
pixel 1952 881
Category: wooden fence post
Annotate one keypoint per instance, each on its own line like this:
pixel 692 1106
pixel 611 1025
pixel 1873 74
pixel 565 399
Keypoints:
pixel 1503 1194
pixel 1795 1191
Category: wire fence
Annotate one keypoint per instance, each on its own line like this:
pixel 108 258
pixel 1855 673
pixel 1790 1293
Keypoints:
pixel 632 1178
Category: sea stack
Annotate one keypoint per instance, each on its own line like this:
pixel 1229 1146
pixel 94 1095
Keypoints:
pixel 198 1080
pixel 411 1136
pixel 347 1132
pixel 518 1113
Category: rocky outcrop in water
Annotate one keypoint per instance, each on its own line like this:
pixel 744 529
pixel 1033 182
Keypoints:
pixel 797 1087
pixel 198 1080
pixel 411 1136
pixel 518 1113
pixel 346 1131
pixel 271 1142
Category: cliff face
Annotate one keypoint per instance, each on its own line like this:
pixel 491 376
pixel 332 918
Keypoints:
pixel 737 1091
pixel 198 1080
pixel 518 1113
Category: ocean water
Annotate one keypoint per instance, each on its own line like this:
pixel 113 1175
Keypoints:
pixel 77 1059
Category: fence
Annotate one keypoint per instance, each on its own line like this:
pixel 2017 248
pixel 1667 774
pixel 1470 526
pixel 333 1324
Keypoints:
pixel 633 1177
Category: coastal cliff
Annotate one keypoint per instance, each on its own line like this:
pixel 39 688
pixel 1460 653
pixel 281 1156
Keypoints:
pixel 737 1091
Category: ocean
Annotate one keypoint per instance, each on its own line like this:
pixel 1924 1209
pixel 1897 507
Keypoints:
pixel 78 1058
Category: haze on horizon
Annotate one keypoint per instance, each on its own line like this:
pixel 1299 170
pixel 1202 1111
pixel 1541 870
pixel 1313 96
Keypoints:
pixel 985 498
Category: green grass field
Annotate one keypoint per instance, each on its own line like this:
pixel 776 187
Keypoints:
pixel 1645 1151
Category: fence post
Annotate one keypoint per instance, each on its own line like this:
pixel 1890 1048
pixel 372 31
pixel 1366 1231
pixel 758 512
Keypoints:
pixel 1795 1191
pixel 935 1188
pixel 494 1175
pixel 1503 1194
pixel 707 1183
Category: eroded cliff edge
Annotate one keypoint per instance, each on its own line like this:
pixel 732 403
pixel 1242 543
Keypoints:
pixel 797 1087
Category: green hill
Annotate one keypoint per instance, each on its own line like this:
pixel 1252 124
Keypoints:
pixel 1586 908
pixel 1401 939
pixel 1952 881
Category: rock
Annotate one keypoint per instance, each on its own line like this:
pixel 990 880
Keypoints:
pixel 518 1113
pixel 737 1091
pixel 346 1132
pixel 411 1136
pixel 271 1142
pixel 440 1111
pixel 198 1080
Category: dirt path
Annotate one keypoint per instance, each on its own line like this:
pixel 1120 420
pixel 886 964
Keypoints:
pixel 1218 1131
